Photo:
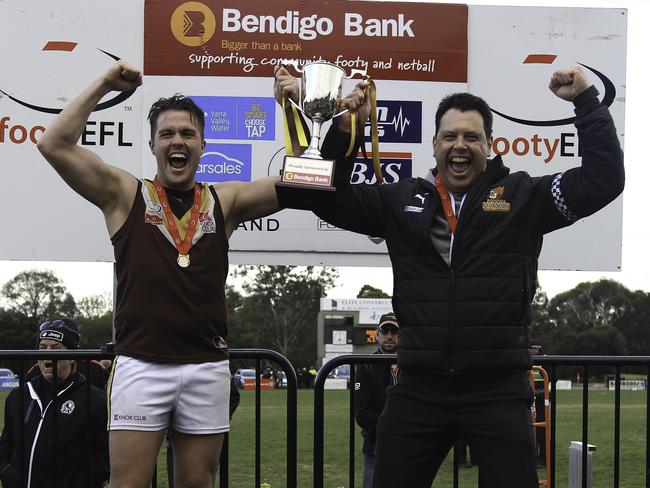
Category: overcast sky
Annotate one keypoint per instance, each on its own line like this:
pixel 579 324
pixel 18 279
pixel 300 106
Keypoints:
pixel 83 279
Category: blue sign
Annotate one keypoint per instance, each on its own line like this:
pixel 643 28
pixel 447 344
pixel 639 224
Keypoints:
pixel 248 118
pixel 8 383
pixel 398 121
pixel 225 162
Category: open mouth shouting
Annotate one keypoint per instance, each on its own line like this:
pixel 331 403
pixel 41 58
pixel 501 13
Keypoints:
pixel 178 160
pixel 459 164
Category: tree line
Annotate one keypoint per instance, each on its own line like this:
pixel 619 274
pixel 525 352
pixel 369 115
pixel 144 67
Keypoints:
pixel 594 318
pixel 277 308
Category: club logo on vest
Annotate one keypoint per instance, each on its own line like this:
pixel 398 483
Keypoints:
pixel 208 226
pixel 68 407
pixel 153 214
pixel 495 201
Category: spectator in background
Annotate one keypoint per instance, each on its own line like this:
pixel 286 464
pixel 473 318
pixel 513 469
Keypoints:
pixel 81 416
pixel 92 370
pixel 371 383
pixel 540 434
pixel 303 378
pixel 312 376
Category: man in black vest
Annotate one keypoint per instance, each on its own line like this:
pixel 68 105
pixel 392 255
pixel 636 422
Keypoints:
pixel 370 387
pixel 464 243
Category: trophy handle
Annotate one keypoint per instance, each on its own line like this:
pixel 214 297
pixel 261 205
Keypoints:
pixel 285 63
pixel 354 72
pixel 294 103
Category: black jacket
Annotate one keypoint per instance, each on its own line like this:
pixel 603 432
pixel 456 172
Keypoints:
pixel 474 313
pixel 82 437
pixel 369 398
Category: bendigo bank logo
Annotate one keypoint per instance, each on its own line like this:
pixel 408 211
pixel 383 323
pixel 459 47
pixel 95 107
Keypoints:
pixel 193 24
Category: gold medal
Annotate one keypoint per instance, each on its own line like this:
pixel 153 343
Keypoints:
pixel 182 245
pixel 183 260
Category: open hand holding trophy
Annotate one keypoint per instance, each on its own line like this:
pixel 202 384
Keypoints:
pixel 307 177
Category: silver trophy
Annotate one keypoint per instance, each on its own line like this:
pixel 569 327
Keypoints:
pixel 319 92
pixel 303 176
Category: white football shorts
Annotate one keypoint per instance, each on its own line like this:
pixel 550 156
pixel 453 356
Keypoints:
pixel 189 398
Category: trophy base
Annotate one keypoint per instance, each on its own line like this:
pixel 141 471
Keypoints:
pixel 306 183
pixel 294 195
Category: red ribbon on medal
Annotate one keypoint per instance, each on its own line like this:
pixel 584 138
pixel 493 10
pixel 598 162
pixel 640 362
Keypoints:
pixel 182 245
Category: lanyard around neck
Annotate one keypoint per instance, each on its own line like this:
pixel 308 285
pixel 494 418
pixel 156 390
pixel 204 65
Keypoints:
pixel 446 204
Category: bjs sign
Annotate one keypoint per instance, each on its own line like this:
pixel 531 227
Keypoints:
pixel 394 166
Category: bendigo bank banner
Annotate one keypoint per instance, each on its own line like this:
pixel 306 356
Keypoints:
pixel 389 40
pixel 222 54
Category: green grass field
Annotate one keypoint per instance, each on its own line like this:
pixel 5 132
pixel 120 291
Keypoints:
pixel 273 442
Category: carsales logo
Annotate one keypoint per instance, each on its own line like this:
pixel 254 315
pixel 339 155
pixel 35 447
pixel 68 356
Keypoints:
pixel 225 162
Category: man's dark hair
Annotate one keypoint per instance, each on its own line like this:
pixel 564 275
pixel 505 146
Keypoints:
pixel 465 102
pixel 176 102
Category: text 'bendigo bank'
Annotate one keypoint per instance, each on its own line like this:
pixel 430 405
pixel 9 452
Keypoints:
pixel 312 26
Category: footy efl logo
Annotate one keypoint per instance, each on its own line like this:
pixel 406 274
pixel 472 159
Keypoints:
pixel 608 98
pixel 69 47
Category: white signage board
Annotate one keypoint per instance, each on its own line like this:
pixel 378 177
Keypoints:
pixel 370 309
pixel 51 51
pixel 513 51
pixel 341 348
pixel 336 384
pixel 65 45
pixel 634 385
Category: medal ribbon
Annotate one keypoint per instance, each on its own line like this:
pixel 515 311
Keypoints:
pixel 182 245
pixel 295 129
pixel 374 130
pixel 446 204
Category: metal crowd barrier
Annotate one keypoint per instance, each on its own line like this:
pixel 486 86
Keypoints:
pixel 550 363
pixel 83 356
